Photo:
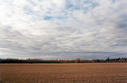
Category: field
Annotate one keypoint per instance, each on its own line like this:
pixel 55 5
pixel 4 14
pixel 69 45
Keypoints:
pixel 64 73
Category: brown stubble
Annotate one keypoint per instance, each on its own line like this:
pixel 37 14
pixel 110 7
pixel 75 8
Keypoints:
pixel 64 73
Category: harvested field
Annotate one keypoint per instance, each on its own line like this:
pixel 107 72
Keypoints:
pixel 64 73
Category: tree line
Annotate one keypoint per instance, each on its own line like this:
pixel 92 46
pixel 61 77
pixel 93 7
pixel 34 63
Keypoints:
pixel 77 60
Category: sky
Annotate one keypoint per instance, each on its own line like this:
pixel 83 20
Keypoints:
pixel 63 29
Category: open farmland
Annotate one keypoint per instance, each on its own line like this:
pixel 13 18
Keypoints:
pixel 64 73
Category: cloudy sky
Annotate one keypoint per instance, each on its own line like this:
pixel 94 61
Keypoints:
pixel 63 29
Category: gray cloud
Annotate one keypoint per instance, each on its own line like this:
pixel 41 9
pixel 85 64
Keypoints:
pixel 54 29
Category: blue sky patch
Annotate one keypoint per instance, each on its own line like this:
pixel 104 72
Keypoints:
pixel 48 17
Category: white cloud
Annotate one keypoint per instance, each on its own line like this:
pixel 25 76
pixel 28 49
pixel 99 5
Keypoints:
pixel 42 27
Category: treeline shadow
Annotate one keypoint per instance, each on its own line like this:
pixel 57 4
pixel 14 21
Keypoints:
pixel 78 60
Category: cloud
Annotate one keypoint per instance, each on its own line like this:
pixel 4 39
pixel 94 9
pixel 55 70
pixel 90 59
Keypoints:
pixel 57 28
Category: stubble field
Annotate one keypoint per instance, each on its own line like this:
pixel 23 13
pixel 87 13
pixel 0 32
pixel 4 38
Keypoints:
pixel 64 73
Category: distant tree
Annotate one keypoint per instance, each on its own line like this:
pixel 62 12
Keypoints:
pixel 108 59
pixel 77 60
